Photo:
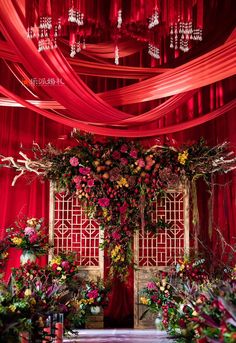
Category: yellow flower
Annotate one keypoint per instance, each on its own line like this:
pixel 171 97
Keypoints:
pixel 137 170
pixel 59 268
pixel 91 301
pixel 163 282
pixel 122 182
pixel 55 260
pixel 105 212
pixel 12 308
pixel 32 222
pixel 16 240
pixel 32 301
pixel 117 258
pixel 182 267
pixel 28 292
pixel 115 251
pixel 182 157
pixel 144 300
pixel 162 288
pixel 63 277
pixel 195 314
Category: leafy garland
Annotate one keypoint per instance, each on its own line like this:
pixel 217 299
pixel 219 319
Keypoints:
pixel 117 180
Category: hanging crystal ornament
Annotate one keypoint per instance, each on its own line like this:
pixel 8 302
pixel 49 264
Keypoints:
pixel 119 19
pixel 153 51
pixel 73 50
pixel 153 20
pixel 78 47
pixel 116 55
pixel 47 34
pixel 75 16
pixel 31 32
pixel 197 34
pixel 181 33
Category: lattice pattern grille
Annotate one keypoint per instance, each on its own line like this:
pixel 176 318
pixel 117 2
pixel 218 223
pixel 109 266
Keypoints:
pixel 74 231
pixel 168 245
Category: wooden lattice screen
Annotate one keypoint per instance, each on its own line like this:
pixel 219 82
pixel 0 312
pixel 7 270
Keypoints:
pixel 72 230
pixel 157 252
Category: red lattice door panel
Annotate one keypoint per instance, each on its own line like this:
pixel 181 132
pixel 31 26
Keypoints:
pixel 158 251
pixel 72 230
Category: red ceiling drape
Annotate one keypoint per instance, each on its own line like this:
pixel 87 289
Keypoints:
pixel 86 109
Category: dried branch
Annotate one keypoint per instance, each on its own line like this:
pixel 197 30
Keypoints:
pixel 25 165
pixel 224 243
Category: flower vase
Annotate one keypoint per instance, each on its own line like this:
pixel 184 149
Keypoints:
pixel 95 310
pixel 158 322
pixel 27 256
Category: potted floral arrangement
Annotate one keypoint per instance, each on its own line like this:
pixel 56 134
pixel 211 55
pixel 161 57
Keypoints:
pixel 43 297
pixel 199 307
pixel 65 269
pixel 158 297
pixel 30 236
pixel 94 296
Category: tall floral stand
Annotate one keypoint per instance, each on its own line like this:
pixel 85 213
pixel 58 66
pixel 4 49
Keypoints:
pixel 96 319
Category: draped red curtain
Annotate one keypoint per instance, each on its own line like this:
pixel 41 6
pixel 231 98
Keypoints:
pixel 211 108
pixel 27 198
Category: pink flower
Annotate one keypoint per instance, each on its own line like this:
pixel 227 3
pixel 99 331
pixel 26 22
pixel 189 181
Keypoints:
pixel 92 294
pixel 116 155
pixel 29 231
pixel 33 238
pixel 65 264
pixel 124 161
pixel 133 153
pixel 123 148
pixel 140 163
pixel 84 170
pixel 104 202
pixel 123 208
pixel 151 285
pixel 74 161
pixel 116 235
pixel 90 183
pixel 77 179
